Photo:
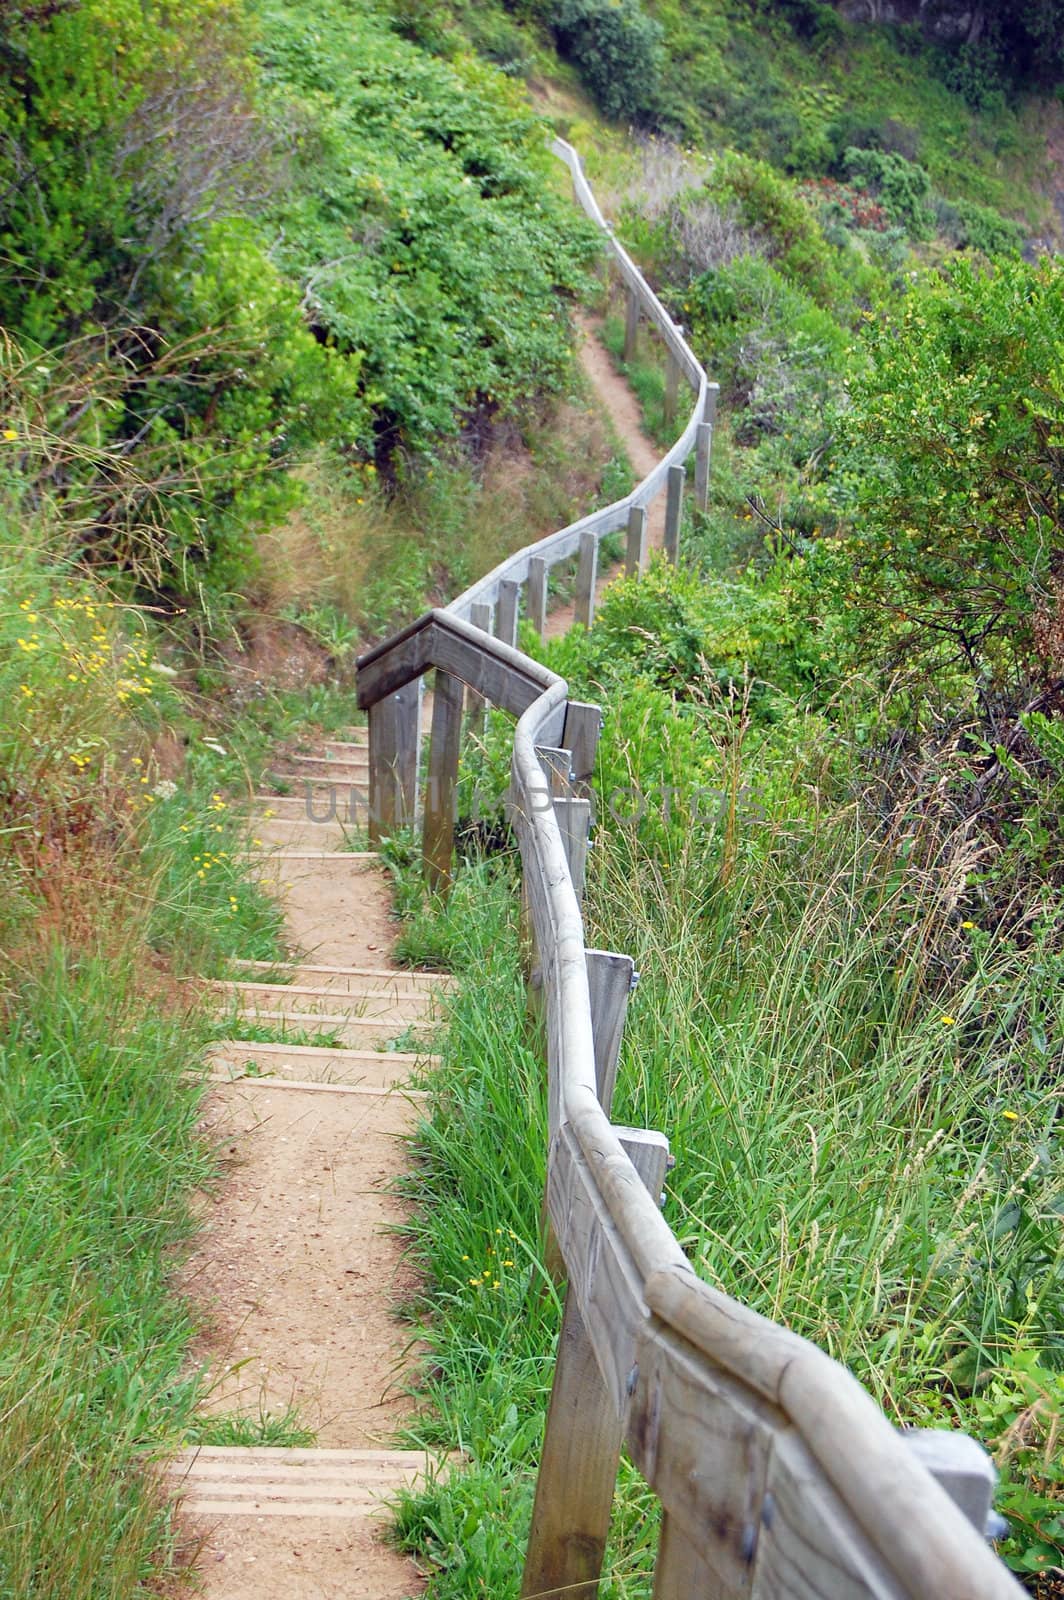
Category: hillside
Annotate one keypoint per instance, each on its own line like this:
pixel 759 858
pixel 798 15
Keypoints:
pixel 288 298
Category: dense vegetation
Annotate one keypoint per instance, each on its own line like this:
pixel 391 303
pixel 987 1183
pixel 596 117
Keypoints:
pixel 217 263
pixel 829 787
pixel 233 303
pixel 276 281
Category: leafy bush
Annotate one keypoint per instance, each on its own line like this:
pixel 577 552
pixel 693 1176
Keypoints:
pixel 950 463
pixel 791 234
pixel 1020 1412
pixel 412 180
pixel 986 230
pixel 903 187
pixel 615 47
pixel 778 354
pixel 688 637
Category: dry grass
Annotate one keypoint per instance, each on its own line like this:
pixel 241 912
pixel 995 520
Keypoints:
pixel 351 562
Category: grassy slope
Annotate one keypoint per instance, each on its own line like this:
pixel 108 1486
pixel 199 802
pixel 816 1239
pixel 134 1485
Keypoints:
pixel 841 1056
pixel 120 880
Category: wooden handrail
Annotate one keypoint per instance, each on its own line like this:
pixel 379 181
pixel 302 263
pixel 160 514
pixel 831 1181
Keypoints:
pixel 779 1477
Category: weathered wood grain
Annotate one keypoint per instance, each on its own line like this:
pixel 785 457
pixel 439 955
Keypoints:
pixel 394 753
pixel 582 1443
pixel 587 571
pixel 507 609
pixel 672 388
pixel 574 823
pixel 681 1571
pixel 703 447
pixel 538 574
pixel 609 981
pixel 602 1272
pixel 636 548
pixel 438 844
pixel 583 726
pixel 674 512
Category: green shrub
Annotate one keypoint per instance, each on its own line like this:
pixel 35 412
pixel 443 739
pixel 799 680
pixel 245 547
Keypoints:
pixel 771 203
pixel 986 230
pixel 1020 1412
pixel 616 48
pixel 949 464
pixel 903 188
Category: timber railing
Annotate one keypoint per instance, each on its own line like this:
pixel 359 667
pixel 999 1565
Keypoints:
pixel 777 1474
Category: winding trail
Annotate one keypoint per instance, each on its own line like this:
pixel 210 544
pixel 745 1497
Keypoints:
pixel 621 406
pixel 299 1270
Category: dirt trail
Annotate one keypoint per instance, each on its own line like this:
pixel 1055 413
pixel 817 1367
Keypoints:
pixel 622 407
pixel 299 1270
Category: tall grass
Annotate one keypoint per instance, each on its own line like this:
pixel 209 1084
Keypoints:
pixel 99 1151
pixel 116 884
pixel 858 1121
pixel 859 1083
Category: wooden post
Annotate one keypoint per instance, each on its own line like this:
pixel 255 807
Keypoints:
pixel 557 766
pixel 672 388
pixel 438 839
pixel 537 594
pixel 680 1572
pixel 631 326
pixel 961 1466
pixel 610 978
pixel 506 610
pixel 583 724
pixel 674 513
pixel 703 444
pixel 636 555
pixel 709 404
pixel 585 578
pixel 394 754
pixel 476 705
pixel 582 1444
pixel 574 822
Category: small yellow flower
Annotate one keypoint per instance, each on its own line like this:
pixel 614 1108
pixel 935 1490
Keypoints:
pixel 948 1022
pixel 967 925
pixel 9 433
pixel 1011 1116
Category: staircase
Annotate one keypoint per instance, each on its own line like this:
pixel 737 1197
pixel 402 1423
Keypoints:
pixel 300 1268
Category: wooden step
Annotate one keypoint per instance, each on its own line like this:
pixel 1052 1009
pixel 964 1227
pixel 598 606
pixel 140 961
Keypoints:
pixel 371 1033
pixel 246 1059
pixel 224 1480
pixel 354 980
pixel 298 768
pixel 374 999
pixel 365 860
pixel 322 791
pixel 347 749
pixel 298 833
pixel 318 806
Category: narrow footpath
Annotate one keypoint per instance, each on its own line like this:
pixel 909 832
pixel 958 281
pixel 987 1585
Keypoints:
pixel 621 406
pixel 298 1272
